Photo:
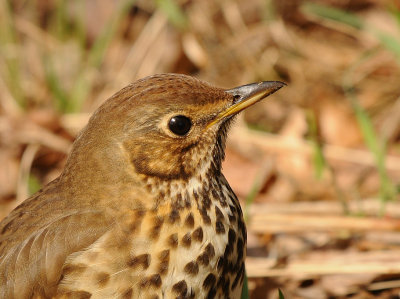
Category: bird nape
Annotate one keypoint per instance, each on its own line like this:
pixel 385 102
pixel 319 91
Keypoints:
pixel 141 209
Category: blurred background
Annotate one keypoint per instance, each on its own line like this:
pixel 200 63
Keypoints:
pixel 316 167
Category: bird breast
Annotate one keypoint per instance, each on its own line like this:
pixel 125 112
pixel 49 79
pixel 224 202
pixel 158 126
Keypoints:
pixel 188 246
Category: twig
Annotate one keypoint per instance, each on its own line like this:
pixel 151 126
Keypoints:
pixel 283 145
pixel 136 56
pixel 297 223
pixel 382 262
pixel 368 207
pixel 24 171
pixel 35 134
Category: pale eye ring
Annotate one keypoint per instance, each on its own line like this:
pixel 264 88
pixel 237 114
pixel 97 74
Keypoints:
pixel 180 125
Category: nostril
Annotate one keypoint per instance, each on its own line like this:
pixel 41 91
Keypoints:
pixel 236 97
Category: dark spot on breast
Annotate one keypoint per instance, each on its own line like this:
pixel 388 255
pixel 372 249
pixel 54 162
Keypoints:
pixel 168 193
pixel 197 235
pixel 177 205
pixel 238 276
pixel 149 187
pixel 209 282
pixel 233 209
pixel 242 229
pixel 127 294
pixel 220 263
pixel 223 198
pixel 187 200
pixel 191 268
pixel 186 240
pixel 137 220
pixel 231 236
pixel 210 250
pixel 178 198
pixel 161 194
pixel 223 284
pixel 164 262
pixel 151 281
pixel 206 201
pixel 173 216
pixel 219 227
pixel 232 195
pixel 196 195
pixel 181 202
pixel 187 203
pixel 203 259
pixel 189 221
pixel 240 249
pixel 155 230
pixel 204 215
pixel 242 276
pixel 155 280
pixel 139 214
pixel 232 218
pixel 140 260
pixel 207 254
pixel 180 288
pixel 173 240
pixel 205 194
pixel 218 214
pixel 228 250
pixel 155 296
pixel 215 194
pixel 164 255
pixel 211 293
pixel 102 278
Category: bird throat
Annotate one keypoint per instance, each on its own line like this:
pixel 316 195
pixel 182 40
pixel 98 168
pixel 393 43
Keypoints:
pixel 203 226
pixel 188 242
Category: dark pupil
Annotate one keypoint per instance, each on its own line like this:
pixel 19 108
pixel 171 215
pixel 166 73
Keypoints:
pixel 179 125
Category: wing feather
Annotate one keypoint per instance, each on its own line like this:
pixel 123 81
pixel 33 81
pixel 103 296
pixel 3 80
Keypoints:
pixel 34 265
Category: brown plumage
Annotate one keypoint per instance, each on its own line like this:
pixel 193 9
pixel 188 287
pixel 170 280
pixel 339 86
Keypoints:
pixel 141 209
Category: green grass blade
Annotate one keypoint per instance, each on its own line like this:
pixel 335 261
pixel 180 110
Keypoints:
pixel 83 83
pixel 99 47
pixel 80 25
pixel 33 184
pixel 376 146
pixel 60 96
pixel 318 157
pixel 10 57
pixel 255 189
pixel 61 19
pixel 174 13
pixel 390 42
pixel 245 290
pixel 387 189
pixel 331 13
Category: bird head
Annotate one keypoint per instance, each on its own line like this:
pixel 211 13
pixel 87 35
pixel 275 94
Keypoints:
pixel 167 126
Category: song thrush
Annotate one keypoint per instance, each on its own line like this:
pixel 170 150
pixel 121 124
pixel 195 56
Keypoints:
pixel 141 209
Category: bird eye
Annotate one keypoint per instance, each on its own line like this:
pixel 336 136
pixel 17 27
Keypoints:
pixel 179 125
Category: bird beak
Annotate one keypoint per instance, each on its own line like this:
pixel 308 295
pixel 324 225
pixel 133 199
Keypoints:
pixel 247 95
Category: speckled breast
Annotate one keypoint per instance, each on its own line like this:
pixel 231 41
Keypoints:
pixel 193 246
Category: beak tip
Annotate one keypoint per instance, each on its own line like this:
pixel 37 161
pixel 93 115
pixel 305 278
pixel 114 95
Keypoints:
pixel 246 95
pixel 275 85
pixel 248 90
